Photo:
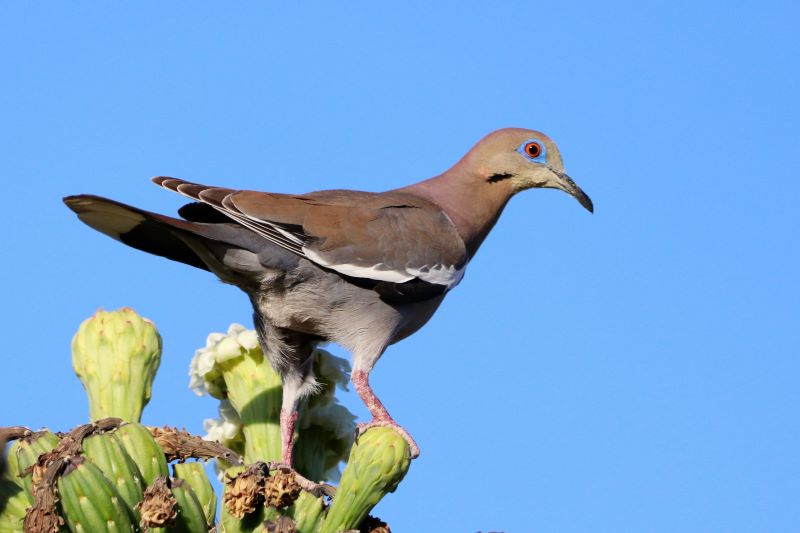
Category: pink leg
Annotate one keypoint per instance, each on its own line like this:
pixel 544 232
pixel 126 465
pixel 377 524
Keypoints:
pixel 380 416
pixel 288 421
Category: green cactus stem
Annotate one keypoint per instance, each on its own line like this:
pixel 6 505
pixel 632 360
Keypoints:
pixel 116 355
pixel 144 450
pixel 378 462
pixel 194 474
pixel 191 515
pixel 254 390
pixel 90 502
pixel 28 451
pixel 14 500
pixel 117 465
pixel 308 512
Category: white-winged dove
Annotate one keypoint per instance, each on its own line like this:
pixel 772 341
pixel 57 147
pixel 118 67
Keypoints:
pixel 361 269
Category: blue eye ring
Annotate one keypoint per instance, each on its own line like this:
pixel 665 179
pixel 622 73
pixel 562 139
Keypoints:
pixel 533 150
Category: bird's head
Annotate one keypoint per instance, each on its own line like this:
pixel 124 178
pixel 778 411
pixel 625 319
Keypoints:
pixel 522 159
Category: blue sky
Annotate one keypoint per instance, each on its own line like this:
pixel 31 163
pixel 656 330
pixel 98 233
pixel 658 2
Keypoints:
pixel 634 370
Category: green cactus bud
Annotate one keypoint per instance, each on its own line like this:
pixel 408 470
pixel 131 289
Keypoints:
pixel 28 451
pixel 116 355
pixel 90 502
pixel 144 450
pixel 14 500
pixel 117 465
pixel 194 474
pixel 378 462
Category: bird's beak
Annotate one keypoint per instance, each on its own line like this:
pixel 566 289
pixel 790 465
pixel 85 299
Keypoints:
pixel 566 184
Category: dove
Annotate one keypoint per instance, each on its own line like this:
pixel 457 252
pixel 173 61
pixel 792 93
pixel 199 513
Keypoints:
pixel 360 269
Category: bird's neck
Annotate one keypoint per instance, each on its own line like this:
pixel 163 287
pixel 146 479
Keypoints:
pixel 472 203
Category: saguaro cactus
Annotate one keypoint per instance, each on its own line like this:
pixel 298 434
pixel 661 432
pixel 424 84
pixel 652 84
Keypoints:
pixel 115 474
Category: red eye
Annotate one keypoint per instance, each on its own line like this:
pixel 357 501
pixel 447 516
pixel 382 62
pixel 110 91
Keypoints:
pixel 533 149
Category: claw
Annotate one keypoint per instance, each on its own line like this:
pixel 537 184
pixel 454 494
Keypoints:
pixel 412 444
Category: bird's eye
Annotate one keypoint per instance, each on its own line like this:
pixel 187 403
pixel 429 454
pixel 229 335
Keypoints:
pixel 533 149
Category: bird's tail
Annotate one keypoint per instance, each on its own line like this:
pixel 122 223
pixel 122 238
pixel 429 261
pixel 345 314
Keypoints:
pixel 150 232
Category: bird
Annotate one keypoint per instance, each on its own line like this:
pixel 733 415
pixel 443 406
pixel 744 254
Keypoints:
pixel 361 269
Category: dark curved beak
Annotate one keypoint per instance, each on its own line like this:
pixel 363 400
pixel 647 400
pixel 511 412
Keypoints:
pixel 570 187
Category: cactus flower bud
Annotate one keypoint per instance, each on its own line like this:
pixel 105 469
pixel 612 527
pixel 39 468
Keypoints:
pixel 378 462
pixel 115 355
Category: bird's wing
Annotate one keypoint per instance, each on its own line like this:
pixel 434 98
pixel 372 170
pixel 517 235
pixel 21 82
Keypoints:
pixel 395 242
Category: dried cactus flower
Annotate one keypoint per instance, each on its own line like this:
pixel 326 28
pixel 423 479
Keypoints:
pixel 244 491
pixel 158 507
pixel 281 489
pixel 116 355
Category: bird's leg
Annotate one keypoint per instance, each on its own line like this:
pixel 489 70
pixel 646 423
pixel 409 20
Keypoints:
pixel 288 423
pixel 380 416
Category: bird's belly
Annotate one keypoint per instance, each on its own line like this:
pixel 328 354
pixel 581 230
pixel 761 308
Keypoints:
pixel 328 307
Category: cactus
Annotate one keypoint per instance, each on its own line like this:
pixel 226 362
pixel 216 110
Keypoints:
pixel 90 502
pixel 194 474
pixel 116 355
pixel 236 363
pixel 191 515
pixel 28 451
pixel 113 475
pixel 378 462
pixel 110 456
pixel 14 500
pixel 171 505
pixel 144 450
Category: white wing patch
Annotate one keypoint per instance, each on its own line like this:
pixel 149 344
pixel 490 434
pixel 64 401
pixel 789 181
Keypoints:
pixel 438 274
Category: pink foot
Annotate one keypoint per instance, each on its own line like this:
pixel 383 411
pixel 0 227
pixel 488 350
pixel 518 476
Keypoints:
pixel 380 416
pixel 412 444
